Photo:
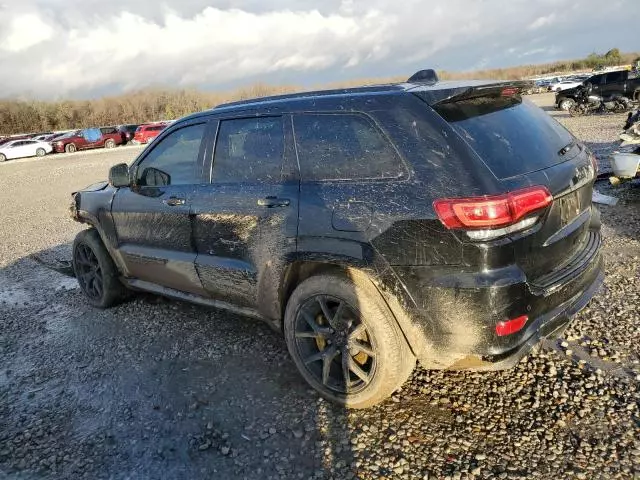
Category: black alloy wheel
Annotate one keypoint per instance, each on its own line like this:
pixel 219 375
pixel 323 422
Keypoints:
pixel 88 271
pixel 335 345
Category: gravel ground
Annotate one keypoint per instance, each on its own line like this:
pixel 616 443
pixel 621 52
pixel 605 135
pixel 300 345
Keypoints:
pixel 160 389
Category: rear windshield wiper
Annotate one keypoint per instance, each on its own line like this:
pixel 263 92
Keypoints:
pixel 564 150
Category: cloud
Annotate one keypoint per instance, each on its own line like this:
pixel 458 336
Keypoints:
pixel 55 48
pixel 543 21
pixel 25 31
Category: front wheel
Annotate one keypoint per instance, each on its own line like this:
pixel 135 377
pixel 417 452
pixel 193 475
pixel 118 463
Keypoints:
pixel 109 144
pixel 70 148
pixel 566 104
pixel 41 152
pixel 345 341
pixel 96 273
pixel 3 157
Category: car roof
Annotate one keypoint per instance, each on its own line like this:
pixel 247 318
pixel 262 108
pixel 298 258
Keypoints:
pixel 430 91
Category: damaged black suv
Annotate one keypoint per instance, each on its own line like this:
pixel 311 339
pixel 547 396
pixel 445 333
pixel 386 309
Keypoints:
pixel 448 222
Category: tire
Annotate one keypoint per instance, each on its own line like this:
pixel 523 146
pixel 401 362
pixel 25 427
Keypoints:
pixel 109 144
pixel 566 104
pixel 40 152
pixel 70 148
pixel 97 275
pixel 315 341
pixel 3 157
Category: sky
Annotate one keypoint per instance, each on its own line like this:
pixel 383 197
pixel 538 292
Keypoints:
pixel 55 49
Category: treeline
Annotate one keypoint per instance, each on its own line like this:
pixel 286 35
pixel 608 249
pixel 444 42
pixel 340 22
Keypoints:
pixel 18 116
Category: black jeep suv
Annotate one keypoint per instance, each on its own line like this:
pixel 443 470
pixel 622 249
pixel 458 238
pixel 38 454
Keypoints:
pixel 449 222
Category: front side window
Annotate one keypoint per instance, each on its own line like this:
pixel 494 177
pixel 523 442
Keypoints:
pixel 249 150
pixel 174 160
pixel 343 147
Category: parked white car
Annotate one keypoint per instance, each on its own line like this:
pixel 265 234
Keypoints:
pixel 24 148
pixel 563 85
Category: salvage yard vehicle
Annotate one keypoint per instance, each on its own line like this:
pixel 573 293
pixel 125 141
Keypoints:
pixel 147 132
pixel 105 137
pixel 621 83
pixel 448 222
pixel 24 148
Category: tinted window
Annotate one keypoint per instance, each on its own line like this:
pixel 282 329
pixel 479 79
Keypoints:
pixel 174 160
pixel 343 147
pixel 249 150
pixel 511 136
pixel 615 77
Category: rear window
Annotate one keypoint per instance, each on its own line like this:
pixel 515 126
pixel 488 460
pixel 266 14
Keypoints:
pixel 511 136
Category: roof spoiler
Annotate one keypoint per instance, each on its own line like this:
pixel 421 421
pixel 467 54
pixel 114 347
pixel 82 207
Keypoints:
pixel 428 76
pixel 497 89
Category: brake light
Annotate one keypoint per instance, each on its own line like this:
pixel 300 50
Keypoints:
pixel 511 326
pixel 509 91
pixel 491 211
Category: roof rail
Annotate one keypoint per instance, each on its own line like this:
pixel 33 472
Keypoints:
pixel 428 76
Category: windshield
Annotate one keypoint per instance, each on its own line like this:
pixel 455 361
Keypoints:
pixel 513 137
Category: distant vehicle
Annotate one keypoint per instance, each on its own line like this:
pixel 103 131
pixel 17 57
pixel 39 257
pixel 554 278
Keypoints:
pixel 128 131
pixel 6 140
pixel 51 138
pixel 563 85
pixel 147 132
pixel 587 103
pixel 24 148
pixel 337 217
pixel 620 83
pixel 107 137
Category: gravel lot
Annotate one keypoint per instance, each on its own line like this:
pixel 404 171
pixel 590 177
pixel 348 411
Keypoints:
pixel 159 389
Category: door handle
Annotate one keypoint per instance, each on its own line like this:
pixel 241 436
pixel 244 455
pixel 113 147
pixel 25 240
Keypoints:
pixel 174 201
pixel 271 202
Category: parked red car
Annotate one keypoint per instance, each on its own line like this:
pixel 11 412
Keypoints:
pixel 107 137
pixel 147 132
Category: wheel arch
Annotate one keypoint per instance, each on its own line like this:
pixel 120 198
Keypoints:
pixel 386 285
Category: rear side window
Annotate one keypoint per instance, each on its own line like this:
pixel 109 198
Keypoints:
pixel 615 77
pixel 343 147
pixel 174 160
pixel 511 136
pixel 249 150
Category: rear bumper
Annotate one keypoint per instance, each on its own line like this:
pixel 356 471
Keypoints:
pixel 454 324
pixel 551 325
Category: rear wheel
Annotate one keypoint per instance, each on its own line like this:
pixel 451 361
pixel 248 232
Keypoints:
pixel 96 273
pixel 70 148
pixel 344 340
pixel 109 144
pixel 41 152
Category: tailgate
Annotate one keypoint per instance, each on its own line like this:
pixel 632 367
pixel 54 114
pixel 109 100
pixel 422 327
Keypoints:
pixel 523 146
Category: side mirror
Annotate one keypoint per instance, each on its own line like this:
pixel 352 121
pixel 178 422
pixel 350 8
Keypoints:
pixel 119 175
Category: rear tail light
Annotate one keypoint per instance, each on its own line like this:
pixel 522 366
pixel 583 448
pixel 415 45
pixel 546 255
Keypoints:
pixel 508 327
pixel 491 211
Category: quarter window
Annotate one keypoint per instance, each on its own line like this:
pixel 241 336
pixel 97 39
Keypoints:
pixel 173 161
pixel 249 150
pixel 343 147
